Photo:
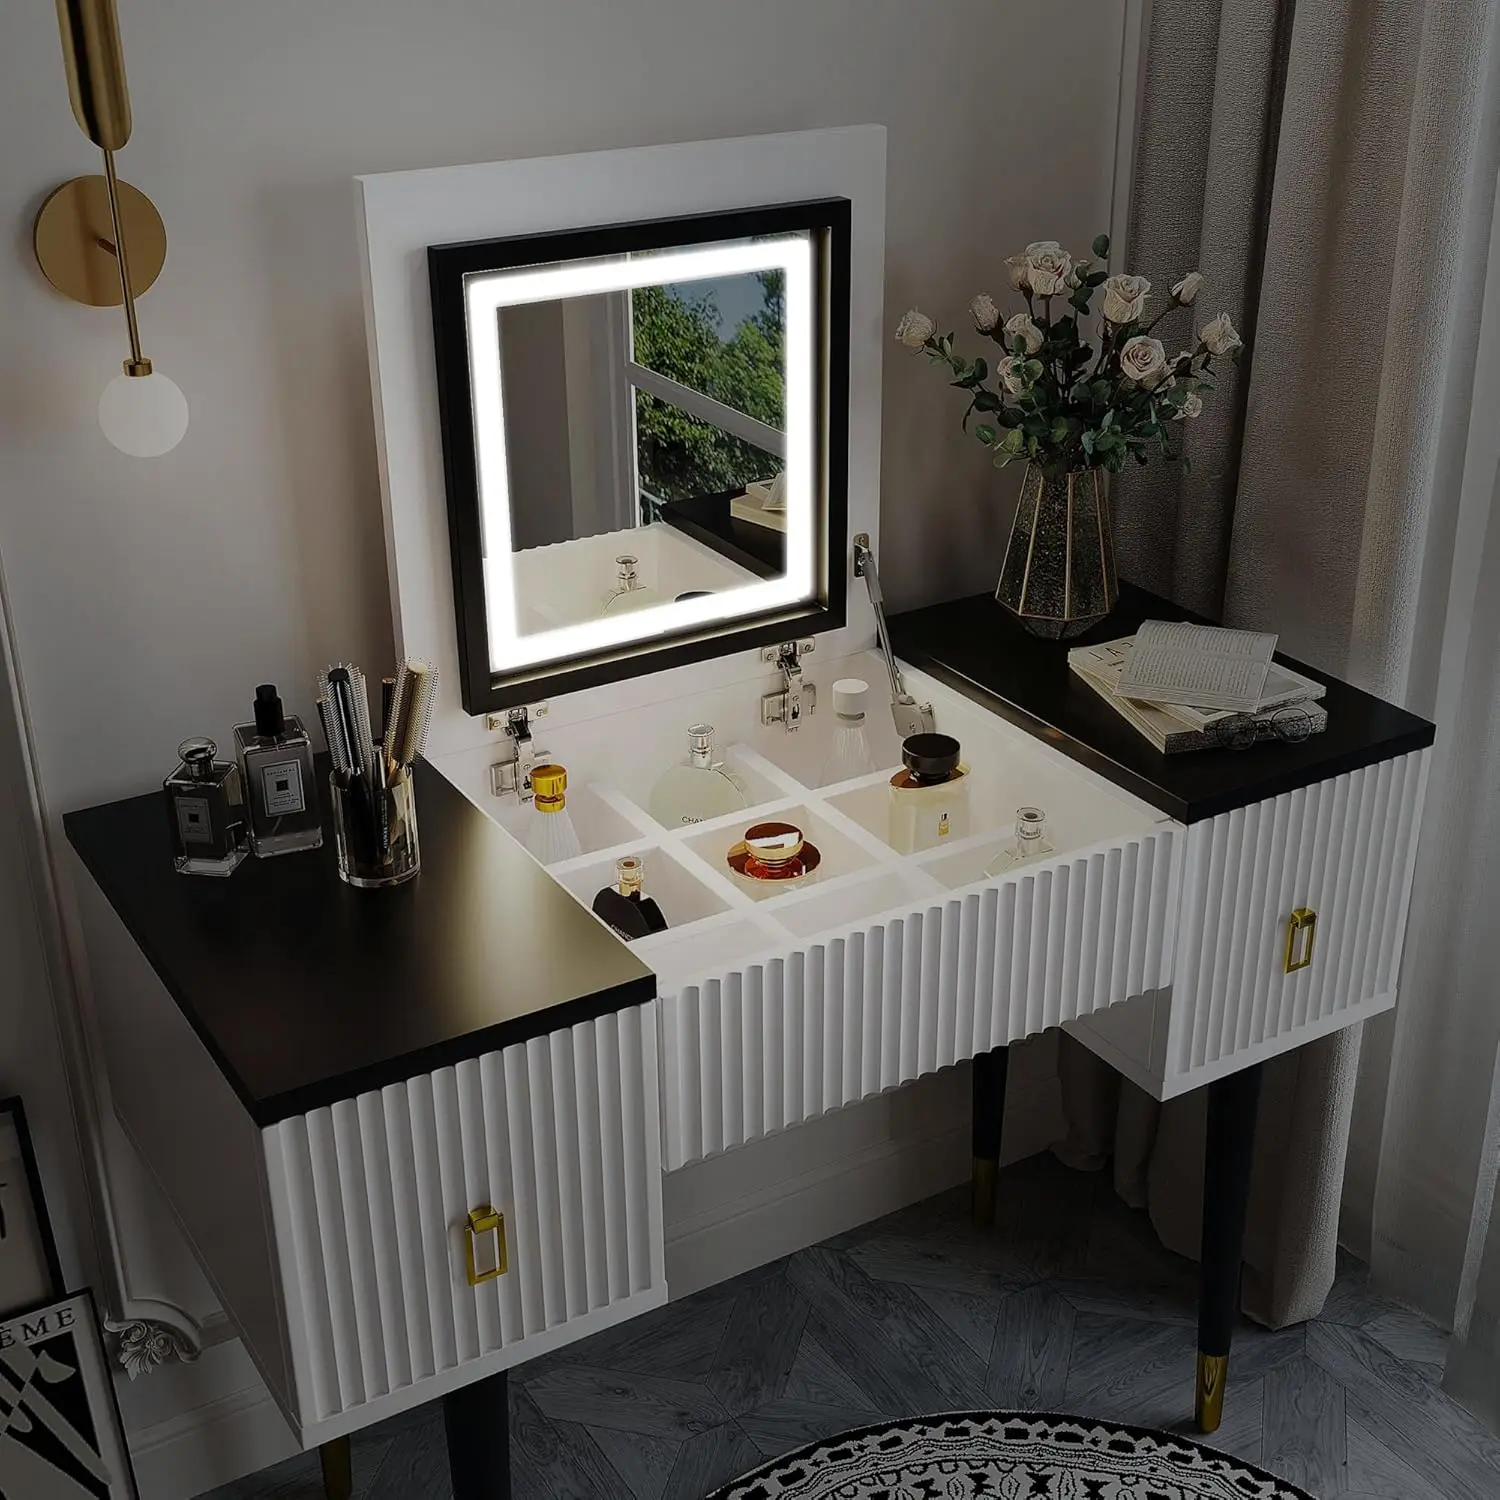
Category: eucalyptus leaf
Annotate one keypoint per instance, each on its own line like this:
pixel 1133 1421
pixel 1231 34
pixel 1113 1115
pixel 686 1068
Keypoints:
pixel 1101 245
pixel 985 433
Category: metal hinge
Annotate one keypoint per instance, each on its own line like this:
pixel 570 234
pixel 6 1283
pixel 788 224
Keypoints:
pixel 513 773
pixel 797 696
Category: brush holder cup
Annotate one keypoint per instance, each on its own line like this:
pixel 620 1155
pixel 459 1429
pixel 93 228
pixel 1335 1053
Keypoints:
pixel 376 829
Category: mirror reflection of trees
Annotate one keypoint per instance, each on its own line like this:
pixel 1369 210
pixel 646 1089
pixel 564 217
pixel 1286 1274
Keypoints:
pixel 678 333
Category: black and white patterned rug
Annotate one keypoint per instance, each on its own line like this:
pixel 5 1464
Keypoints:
pixel 1007 1456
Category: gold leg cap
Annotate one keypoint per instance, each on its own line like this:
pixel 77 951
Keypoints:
pixel 983 1191
pixel 338 1469
pixel 1213 1372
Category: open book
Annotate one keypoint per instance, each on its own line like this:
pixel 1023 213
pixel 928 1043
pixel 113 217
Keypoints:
pixel 1198 666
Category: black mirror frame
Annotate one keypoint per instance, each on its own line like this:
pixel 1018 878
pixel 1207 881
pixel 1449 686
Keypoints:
pixel 484 691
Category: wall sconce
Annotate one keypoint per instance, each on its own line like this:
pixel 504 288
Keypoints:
pixel 100 241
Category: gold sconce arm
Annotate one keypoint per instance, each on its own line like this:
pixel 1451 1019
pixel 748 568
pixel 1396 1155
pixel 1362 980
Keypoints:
pixel 95 63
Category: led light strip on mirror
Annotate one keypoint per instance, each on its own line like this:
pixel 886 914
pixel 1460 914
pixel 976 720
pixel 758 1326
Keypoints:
pixel 487 293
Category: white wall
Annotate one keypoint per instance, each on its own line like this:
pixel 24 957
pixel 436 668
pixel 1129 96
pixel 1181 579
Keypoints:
pixel 149 597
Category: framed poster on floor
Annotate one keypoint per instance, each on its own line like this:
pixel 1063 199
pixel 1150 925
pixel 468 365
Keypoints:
pixel 29 1269
pixel 60 1431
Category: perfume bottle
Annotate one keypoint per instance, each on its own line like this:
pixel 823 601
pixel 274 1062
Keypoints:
pixel 697 788
pixel 205 811
pixel 625 905
pixel 276 764
pixel 1031 841
pixel 550 834
pixel 850 754
pixel 930 795
pixel 629 592
pixel 773 851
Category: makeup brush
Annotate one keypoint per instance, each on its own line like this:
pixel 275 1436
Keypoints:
pixel 387 698
pixel 411 714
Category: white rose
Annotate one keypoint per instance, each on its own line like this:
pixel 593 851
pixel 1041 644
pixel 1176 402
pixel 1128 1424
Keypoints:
pixel 984 312
pixel 1218 335
pixel 1125 298
pixel 1192 407
pixel 1144 361
pixel 1186 291
pixel 1016 267
pixel 1047 267
pixel 915 329
pixel 1021 327
pixel 1008 370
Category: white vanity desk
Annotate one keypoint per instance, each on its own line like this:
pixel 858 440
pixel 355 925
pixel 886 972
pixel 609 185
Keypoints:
pixel 349 1164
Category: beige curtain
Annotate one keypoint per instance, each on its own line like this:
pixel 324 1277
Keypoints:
pixel 1328 165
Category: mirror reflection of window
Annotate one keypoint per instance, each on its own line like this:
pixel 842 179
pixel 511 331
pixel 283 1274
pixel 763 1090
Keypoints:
pixel 662 406
pixel 713 421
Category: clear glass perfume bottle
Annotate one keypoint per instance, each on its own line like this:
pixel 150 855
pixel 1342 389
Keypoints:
pixel 205 811
pixel 276 763
pixel 625 905
pixel 849 755
pixel 550 834
pixel 697 788
pixel 629 592
pixel 1031 841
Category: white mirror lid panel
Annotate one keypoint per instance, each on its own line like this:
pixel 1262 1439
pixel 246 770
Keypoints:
pixel 403 214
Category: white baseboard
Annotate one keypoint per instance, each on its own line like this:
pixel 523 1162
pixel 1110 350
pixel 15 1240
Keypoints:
pixel 212 1445
pixel 194 1427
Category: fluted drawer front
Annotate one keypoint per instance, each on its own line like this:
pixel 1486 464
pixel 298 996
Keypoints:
pixel 781 1042
pixel 1342 848
pixel 371 1197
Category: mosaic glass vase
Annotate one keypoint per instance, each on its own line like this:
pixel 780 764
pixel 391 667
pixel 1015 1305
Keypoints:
pixel 1058 577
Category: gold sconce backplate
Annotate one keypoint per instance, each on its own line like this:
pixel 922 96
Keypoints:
pixel 74 241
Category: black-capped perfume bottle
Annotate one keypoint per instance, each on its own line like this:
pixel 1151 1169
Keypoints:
pixel 205 811
pixel 276 761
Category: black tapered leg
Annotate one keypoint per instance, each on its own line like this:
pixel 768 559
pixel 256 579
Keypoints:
pixel 337 1461
pixel 1232 1103
pixel 476 1419
pixel 989 1116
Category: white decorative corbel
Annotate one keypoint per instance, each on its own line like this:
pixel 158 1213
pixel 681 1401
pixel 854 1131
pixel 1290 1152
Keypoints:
pixel 142 1345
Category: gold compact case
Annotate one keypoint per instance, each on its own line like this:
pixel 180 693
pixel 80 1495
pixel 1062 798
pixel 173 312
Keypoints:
pixel 774 851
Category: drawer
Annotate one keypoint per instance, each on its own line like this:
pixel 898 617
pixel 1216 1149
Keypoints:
pixel 370 1200
pixel 1342 852
pixel 780 1041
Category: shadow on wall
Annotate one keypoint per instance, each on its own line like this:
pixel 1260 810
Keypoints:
pixel 310 253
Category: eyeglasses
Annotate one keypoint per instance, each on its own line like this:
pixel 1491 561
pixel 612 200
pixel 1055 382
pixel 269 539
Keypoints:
pixel 1291 725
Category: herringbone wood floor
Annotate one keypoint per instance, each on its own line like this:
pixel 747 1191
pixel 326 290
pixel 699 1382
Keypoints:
pixel 1069 1305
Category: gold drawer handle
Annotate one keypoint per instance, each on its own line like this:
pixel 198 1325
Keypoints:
pixel 1301 932
pixel 482 1221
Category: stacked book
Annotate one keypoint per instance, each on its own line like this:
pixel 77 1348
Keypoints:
pixel 1195 687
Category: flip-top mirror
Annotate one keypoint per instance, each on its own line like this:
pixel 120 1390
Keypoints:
pixel 644 433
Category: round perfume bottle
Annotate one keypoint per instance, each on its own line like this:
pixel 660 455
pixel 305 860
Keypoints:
pixel 698 788
pixel 550 835
pixel 849 755
pixel 773 851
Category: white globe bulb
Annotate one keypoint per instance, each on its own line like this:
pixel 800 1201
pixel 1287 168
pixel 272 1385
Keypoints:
pixel 143 415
